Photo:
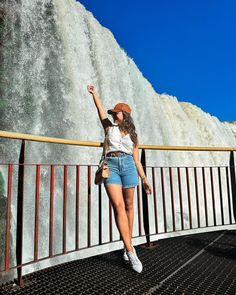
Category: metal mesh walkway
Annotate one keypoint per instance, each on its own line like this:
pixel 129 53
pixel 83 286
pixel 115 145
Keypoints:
pixel 194 264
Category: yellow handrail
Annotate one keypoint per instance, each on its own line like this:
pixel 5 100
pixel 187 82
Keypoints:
pixel 29 137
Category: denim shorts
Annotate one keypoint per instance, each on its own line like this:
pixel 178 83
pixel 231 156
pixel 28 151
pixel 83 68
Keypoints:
pixel 122 171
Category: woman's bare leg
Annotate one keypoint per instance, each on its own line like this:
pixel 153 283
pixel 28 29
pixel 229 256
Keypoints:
pixel 115 195
pixel 128 194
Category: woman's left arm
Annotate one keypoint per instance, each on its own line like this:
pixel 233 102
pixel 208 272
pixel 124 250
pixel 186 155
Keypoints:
pixel 140 170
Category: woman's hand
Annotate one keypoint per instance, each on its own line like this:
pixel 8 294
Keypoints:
pixel 147 186
pixel 91 89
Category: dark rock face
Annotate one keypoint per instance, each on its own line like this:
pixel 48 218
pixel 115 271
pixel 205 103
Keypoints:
pixel 2 13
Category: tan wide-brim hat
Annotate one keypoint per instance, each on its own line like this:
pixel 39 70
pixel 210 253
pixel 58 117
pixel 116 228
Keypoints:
pixel 120 107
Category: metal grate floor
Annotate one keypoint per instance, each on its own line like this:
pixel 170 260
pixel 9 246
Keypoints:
pixel 194 264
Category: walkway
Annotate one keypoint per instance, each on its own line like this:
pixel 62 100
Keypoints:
pixel 194 264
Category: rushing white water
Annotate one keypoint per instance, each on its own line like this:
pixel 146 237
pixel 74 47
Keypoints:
pixel 51 50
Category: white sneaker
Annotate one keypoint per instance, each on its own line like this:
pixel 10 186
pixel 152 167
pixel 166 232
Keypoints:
pixel 125 256
pixel 135 262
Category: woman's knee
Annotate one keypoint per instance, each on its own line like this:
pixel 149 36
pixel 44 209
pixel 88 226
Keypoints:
pixel 119 207
pixel 116 197
pixel 129 199
pixel 129 206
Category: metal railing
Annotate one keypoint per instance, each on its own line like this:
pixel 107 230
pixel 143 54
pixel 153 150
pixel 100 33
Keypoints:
pixel 184 198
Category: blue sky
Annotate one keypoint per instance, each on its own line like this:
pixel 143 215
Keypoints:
pixel 186 48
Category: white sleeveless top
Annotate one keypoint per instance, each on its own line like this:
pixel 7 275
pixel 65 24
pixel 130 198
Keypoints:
pixel 115 142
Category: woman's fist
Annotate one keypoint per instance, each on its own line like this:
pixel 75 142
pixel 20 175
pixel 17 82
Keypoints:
pixel 91 89
pixel 147 187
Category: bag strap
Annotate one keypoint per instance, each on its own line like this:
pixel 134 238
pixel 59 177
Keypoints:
pixel 104 147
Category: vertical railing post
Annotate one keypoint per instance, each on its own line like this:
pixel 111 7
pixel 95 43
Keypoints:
pixel 65 188
pixel 205 194
pixel 189 198
pixel 233 181
pixel 172 199
pixel 100 214
pixel 77 213
pixel 163 199
pixel 20 206
pixel 145 203
pixel 110 222
pixel 228 194
pixel 139 212
pixel 180 198
pixel 51 210
pixel 154 196
pixel 89 208
pixel 9 193
pixel 36 223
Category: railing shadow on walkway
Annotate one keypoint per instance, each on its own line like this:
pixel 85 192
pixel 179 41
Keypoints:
pixel 189 199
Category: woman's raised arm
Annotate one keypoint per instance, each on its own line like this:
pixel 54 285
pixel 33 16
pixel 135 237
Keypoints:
pixel 101 112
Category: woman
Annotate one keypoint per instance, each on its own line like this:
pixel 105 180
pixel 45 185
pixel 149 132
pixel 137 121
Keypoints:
pixel 122 159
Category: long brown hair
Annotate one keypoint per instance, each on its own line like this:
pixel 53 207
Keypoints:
pixel 127 126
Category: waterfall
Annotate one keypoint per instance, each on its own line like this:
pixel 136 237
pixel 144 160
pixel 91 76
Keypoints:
pixel 50 50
